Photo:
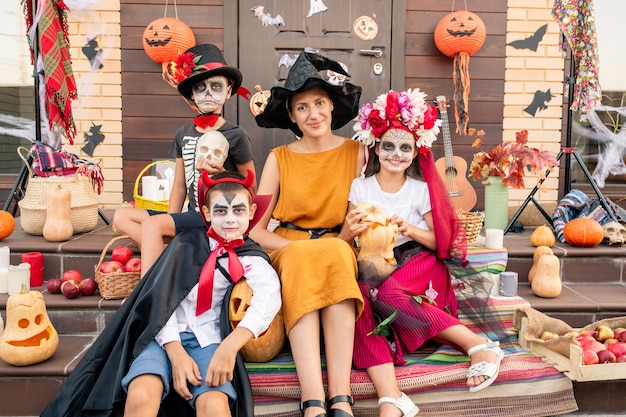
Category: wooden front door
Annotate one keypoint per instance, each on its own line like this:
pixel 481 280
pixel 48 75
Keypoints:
pixel 266 49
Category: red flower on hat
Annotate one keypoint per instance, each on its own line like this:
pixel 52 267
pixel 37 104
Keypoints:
pixel 186 65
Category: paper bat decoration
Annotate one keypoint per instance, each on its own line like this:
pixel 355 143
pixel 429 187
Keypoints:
pixel 93 55
pixel 266 18
pixel 93 139
pixel 539 102
pixel 316 6
pixel 531 42
pixel 287 61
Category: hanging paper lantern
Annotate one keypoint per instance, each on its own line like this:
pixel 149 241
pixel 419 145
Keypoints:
pixel 165 38
pixel 459 35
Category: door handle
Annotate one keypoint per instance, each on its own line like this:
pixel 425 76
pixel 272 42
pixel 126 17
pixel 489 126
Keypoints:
pixel 377 53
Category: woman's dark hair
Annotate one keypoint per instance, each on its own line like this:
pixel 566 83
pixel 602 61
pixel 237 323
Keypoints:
pixel 373 166
pixel 227 187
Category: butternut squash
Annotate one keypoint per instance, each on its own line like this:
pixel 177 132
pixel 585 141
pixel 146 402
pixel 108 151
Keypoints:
pixel 58 226
pixel 540 250
pixel 547 281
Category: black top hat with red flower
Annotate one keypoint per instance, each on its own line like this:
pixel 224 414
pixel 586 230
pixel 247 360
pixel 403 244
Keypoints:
pixel 304 75
pixel 201 62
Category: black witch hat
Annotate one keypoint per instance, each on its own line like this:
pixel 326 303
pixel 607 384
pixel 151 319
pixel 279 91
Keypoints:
pixel 304 75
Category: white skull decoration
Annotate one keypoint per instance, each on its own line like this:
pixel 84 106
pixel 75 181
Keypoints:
pixel 615 233
pixel 213 146
pixel 336 78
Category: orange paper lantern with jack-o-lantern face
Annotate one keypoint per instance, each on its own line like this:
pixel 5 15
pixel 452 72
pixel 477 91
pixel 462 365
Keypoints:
pixel 28 336
pixel 165 38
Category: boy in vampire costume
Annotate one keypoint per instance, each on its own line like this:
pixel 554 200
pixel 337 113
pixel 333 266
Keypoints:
pixel 181 302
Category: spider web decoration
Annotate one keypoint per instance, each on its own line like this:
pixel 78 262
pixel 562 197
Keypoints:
pixel 611 144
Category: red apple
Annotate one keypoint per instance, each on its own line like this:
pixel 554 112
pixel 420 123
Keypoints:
pixel 609 342
pixel 606 356
pixel 70 289
pixel 595 346
pixel 133 265
pixel 621 359
pixel 54 285
pixel 602 332
pixel 622 336
pixel 121 254
pixel 618 348
pixel 584 338
pixel 617 331
pixel 88 286
pixel 73 274
pixel 109 267
pixel 590 357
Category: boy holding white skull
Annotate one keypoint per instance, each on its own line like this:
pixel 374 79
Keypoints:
pixel 210 143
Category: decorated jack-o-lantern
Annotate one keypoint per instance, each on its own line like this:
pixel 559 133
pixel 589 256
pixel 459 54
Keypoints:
pixel 376 243
pixel 459 35
pixel 259 100
pixel 269 343
pixel 29 336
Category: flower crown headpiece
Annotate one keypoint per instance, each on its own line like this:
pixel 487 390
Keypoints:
pixel 406 110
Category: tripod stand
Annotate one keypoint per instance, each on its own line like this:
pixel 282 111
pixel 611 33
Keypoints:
pixel 568 152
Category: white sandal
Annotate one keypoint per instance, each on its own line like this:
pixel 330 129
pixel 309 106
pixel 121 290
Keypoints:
pixel 484 368
pixel 404 404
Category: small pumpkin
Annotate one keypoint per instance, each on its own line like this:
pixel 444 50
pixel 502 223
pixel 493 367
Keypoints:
pixel 29 336
pixel 584 232
pixel 58 226
pixel 539 251
pixel 7 224
pixel 542 236
pixel 269 343
pixel 547 282
pixel 258 101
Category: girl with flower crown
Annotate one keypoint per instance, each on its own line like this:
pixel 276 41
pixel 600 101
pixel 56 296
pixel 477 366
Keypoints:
pixel 400 128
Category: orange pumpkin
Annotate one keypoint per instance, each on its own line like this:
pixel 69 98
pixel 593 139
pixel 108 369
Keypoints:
pixel 7 224
pixel 583 231
pixel 269 343
pixel 258 102
pixel 165 38
pixel 29 336
pixel 460 32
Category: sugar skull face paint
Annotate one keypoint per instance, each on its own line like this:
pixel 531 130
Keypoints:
pixel 210 94
pixel 230 213
pixel 396 150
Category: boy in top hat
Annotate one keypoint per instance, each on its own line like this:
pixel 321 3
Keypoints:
pixel 169 350
pixel 205 79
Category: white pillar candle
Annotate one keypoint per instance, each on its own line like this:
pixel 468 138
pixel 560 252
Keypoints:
pixel 150 187
pixel 18 275
pixel 494 238
pixel 4 280
pixel 5 256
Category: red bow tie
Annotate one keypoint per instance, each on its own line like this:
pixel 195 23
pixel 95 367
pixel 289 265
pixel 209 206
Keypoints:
pixel 205 287
pixel 206 120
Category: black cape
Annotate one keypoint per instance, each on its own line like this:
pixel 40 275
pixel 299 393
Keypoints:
pixel 94 387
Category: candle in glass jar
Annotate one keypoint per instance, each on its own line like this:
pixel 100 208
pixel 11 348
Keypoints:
pixel 18 275
pixel 35 259
pixel 5 256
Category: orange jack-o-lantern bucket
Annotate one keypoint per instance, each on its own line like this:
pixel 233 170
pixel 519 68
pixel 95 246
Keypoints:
pixel 268 344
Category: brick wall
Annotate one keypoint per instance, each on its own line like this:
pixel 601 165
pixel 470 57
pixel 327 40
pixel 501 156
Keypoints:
pixel 528 71
pixel 100 96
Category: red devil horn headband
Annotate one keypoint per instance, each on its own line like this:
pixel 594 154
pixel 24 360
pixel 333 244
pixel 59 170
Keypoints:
pixel 246 182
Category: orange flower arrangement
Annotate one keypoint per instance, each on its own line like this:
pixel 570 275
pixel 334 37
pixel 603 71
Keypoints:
pixel 510 160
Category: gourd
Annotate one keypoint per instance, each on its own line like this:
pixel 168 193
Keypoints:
pixel 58 226
pixel 542 236
pixel 269 343
pixel 7 224
pixel 539 251
pixel 547 282
pixel 29 336
pixel 377 242
pixel 584 232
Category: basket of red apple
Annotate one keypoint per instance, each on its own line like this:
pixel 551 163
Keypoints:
pixel 119 276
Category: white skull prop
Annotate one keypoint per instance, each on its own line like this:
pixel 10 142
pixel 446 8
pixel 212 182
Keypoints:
pixel 615 233
pixel 336 78
pixel 213 146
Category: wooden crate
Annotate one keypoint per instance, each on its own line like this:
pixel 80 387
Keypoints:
pixel 573 366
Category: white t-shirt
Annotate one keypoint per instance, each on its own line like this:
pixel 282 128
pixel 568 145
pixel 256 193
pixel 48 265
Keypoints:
pixel 411 202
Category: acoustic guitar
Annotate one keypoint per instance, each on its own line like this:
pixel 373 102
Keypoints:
pixel 453 169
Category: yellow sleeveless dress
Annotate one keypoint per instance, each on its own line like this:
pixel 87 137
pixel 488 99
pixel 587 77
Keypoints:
pixel 315 273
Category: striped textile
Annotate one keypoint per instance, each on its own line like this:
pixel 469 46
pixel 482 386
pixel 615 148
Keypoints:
pixel 434 377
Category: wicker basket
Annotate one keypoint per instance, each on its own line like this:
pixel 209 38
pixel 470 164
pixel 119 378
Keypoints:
pixel 472 222
pixel 144 203
pixel 117 284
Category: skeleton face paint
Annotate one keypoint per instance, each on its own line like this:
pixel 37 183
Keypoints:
pixel 396 150
pixel 211 94
pixel 213 146
pixel 230 213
